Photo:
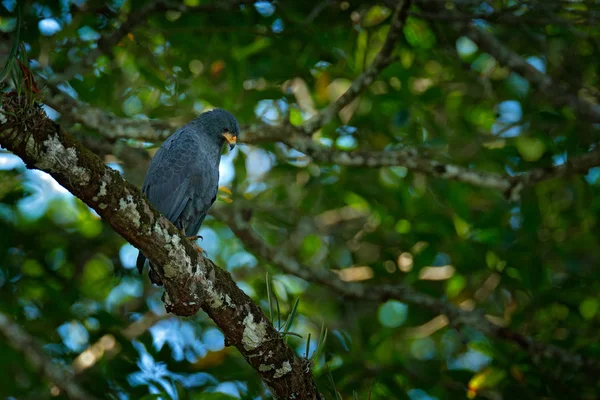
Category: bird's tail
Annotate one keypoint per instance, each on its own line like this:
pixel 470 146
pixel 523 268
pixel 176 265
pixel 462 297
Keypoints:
pixel 154 277
pixel 141 260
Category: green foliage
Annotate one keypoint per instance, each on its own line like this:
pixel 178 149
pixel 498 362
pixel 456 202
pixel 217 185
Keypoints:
pixel 531 265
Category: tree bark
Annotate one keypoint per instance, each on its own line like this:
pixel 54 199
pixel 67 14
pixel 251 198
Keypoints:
pixel 191 281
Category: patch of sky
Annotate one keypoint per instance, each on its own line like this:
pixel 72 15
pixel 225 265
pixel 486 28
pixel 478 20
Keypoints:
pixel 515 218
pixel 85 308
pixel 10 5
pixel 246 288
pixel 346 142
pixel 481 23
pixel 277 26
pixel 65 87
pixel 258 163
pixel 465 46
pixel 267 111
pixel 117 167
pixel 241 259
pixel 74 335
pixel 51 112
pixel 234 389
pixel 42 11
pixel 226 167
pixel 537 63
pixel 322 64
pixel 10 161
pixel 264 8
pixel 181 337
pixel 49 26
pixel 324 141
pixel 213 339
pixel 128 255
pixel 510 113
pixel 43 189
pixel 30 310
pixel 296 157
pixel 593 175
pixel 157 377
pixel 345 130
pixel 559 159
pixel 209 241
pixel 155 303
pixel 256 187
pixel 472 360
pixel 418 394
pixel 128 287
pixel 88 34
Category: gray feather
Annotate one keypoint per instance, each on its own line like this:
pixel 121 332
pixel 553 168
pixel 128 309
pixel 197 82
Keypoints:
pixel 182 179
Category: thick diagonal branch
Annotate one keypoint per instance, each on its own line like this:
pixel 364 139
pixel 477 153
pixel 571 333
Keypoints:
pixel 24 343
pixel 382 60
pixel 191 281
pixel 381 293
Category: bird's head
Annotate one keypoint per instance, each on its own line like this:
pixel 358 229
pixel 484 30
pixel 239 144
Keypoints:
pixel 221 125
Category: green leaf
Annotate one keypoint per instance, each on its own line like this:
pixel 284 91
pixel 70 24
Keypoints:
pixel 531 149
pixel 589 308
pixel 375 15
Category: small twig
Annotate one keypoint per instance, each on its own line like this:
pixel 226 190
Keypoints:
pixel 402 292
pixel 382 60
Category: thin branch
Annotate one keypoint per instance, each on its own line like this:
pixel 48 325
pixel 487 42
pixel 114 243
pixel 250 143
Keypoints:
pixel 499 17
pixel 109 125
pixel 382 60
pixel 106 44
pixel 382 293
pixel 558 95
pixel 113 127
pixel 137 17
pixel 191 281
pixel 24 343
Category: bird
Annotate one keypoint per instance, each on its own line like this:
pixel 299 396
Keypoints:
pixel 183 176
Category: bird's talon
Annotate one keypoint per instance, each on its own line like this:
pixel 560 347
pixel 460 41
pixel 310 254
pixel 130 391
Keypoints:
pixel 196 237
pixel 201 250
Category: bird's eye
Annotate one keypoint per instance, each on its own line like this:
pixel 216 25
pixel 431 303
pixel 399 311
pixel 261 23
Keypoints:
pixel 225 130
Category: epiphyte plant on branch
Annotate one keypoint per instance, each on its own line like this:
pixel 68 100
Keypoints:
pixel 422 176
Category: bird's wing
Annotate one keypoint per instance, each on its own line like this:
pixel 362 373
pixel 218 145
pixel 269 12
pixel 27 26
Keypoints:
pixel 169 177
pixel 203 192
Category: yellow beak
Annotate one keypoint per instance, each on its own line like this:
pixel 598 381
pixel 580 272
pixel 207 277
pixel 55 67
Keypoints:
pixel 231 139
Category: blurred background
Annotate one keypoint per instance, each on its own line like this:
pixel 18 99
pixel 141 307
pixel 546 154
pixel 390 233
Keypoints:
pixel 121 75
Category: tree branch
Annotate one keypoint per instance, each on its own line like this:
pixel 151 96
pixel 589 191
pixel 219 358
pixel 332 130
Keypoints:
pixel 113 127
pixel 382 293
pixel 191 281
pixel 555 92
pixel 24 343
pixel 107 124
pixel 382 60
pixel 136 17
